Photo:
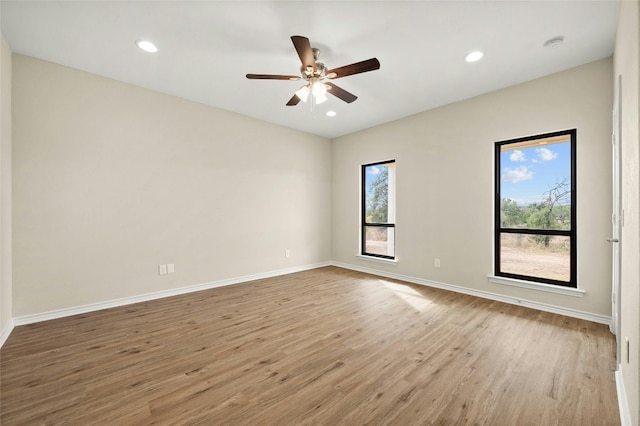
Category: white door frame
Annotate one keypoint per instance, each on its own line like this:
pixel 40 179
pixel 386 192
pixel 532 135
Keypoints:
pixel 616 220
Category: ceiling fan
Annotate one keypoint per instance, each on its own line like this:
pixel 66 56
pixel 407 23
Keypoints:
pixel 316 75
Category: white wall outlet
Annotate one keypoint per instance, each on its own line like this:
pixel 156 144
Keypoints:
pixel 436 263
pixel 287 253
pixel 162 269
pixel 171 268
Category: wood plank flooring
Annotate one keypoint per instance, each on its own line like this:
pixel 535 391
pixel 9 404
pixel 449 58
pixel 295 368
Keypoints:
pixel 323 347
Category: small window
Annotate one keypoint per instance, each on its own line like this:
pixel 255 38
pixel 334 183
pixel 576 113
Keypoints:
pixel 535 208
pixel 378 209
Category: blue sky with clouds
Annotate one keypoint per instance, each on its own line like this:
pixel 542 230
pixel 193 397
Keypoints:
pixel 372 172
pixel 527 173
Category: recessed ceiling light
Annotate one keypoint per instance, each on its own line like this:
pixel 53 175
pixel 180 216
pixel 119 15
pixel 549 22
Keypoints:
pixel 474 56
pixel 331 113
pixel 146 45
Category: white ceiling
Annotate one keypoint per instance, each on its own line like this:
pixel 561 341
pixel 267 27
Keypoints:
pixel 207 47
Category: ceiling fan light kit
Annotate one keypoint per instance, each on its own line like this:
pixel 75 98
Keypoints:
pixel 317 75
pixel 303 93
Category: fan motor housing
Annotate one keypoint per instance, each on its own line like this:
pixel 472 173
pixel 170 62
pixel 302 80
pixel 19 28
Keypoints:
pixel 308 73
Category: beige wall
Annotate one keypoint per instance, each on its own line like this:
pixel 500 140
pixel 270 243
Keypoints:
pixel 445 182
pixel 6 299
pixel 627 63
pixel 111 180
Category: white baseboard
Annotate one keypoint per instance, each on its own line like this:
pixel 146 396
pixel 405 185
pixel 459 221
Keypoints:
pixel 60 313
pixel 601 319
pixel 76 310
pixel 6 332
pixel 623 405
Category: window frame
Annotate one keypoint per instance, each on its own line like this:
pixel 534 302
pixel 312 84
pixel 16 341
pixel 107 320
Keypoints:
pixel 363 209
pixel 572 233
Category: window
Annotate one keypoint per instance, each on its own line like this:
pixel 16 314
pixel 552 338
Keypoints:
pixel 378 209
pixel 535 208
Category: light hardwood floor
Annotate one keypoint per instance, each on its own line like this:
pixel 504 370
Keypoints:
pixel 328 346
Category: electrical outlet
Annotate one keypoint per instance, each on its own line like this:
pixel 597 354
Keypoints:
pixel 287 253
pixel 436 263
pixel 162 269
pixel 171 268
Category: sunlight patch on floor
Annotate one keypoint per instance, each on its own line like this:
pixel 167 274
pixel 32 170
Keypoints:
pixel 408 295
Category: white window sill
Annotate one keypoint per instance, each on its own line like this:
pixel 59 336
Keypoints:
pixel 377 259
pixel 568 291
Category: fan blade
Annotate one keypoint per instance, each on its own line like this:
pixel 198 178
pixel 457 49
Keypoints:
pixel 303 47
pixel 293 101
pixel 341 93
pixel 272 77
pixel 357 68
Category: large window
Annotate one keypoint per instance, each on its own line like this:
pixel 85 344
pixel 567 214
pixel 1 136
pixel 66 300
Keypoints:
pixel 535 208
pixel 378 209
